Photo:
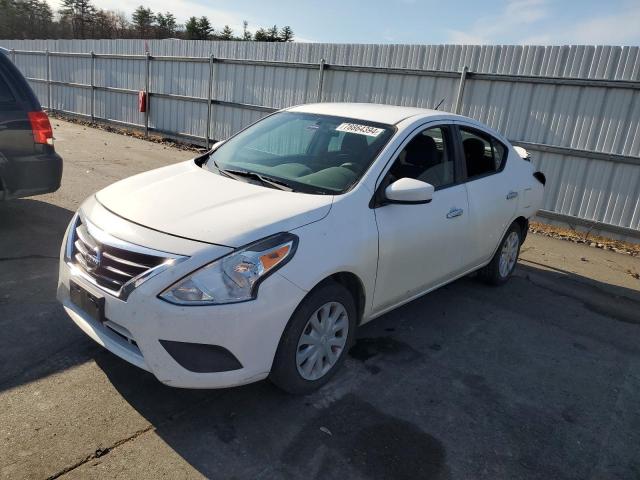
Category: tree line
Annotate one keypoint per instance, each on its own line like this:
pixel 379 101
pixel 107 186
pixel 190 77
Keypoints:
pixel 25 19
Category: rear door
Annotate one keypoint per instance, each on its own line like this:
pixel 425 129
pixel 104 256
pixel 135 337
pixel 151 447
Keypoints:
pixel 422 246
pixel 492 194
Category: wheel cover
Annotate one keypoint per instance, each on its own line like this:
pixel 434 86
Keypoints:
pixel 509 254
pixel 322 341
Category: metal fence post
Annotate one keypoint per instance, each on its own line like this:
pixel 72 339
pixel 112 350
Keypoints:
pixel 13 55
pixel 146 90
pixel 320 79
pixel 48 57
pixel 463 79
pixel 93 85
pixel 209 98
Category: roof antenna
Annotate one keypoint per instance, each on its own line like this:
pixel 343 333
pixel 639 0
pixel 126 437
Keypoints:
pixel 441 102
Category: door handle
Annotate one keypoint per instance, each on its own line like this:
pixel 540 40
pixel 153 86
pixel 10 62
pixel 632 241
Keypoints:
pixel 455 212
pixel 512 194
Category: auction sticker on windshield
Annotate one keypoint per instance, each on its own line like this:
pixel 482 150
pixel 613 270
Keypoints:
pixel 359 129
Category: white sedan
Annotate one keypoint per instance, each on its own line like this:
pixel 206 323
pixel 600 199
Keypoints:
pixel 260 258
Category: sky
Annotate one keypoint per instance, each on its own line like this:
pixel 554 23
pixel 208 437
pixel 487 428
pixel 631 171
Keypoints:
pixel 540 22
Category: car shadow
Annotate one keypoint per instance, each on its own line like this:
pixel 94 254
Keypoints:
pixel 422 390
pixel 37 338
pixel 258 431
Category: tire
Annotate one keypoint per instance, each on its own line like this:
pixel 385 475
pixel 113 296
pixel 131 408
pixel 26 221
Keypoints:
pixel 496 273
pixel 326 305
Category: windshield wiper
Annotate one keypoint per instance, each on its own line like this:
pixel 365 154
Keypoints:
pixel 235 174
pixel 276 183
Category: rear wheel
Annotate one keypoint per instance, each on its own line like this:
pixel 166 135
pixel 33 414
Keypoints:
pixel 504 261
pixel 315 342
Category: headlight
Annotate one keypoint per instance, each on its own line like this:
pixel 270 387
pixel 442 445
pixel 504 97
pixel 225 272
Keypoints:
pixel 234 278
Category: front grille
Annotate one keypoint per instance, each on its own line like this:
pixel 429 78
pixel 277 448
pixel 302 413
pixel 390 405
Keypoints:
pixel 108 266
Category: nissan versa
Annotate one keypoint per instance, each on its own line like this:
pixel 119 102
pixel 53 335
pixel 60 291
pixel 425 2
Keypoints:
pixel 260 258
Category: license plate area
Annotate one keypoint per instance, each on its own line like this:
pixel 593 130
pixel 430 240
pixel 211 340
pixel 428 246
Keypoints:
pixel 87 302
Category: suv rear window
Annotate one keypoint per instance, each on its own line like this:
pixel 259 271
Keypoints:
pixel 5 94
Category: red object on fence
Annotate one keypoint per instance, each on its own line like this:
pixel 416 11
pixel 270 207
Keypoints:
pixel 142 101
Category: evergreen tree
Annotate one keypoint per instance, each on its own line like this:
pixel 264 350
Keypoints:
pixel 143 20
pixel 191 29
pixel 261 35
pixel 227 33
pixel 286 34
pixel 273 34
pixel 166 25
pixel 79 14
pixel 205 30
pixel 81 19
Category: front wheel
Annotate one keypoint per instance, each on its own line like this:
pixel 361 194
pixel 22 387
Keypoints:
pixel 316 340
pixel 504 261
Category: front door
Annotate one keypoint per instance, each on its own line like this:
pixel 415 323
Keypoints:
pixel 422 246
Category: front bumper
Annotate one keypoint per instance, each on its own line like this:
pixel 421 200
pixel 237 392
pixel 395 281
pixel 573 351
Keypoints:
pixel 136 329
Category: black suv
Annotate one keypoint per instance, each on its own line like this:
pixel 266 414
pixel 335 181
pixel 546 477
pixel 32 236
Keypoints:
pixel 29 164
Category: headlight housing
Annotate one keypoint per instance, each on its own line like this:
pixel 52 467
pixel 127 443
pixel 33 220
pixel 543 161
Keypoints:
pixel 234 277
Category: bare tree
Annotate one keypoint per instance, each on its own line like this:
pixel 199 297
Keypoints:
pixel 246 34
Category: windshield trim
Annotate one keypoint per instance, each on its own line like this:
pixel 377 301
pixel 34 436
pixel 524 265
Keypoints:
pixel 300 187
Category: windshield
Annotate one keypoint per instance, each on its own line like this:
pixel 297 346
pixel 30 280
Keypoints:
pixel 302 151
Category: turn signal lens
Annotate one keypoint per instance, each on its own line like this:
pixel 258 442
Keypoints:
pixel 273 258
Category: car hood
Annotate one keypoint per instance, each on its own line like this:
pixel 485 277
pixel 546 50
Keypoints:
pixel 187 201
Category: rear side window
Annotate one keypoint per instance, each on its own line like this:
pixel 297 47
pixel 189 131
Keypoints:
pixel 483 154
pixel 5 94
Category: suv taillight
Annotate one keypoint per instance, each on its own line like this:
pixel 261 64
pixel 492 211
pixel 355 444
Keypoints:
pixel 41 127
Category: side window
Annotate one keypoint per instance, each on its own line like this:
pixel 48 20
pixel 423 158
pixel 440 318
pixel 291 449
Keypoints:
pixel 5 94
pixel 483 154
pixel 427 157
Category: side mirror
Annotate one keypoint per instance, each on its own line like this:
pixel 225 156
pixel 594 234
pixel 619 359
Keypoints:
pixel 409 191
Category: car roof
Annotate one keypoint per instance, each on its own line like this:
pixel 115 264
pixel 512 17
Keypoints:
pixel 373 112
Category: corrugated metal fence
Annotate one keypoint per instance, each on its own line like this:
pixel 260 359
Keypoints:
pixel 576 107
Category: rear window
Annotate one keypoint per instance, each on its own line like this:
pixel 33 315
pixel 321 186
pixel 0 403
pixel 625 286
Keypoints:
pixel 5 93
pixel 22 93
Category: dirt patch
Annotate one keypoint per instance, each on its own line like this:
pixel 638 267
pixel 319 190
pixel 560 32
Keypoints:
pixel 585 238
